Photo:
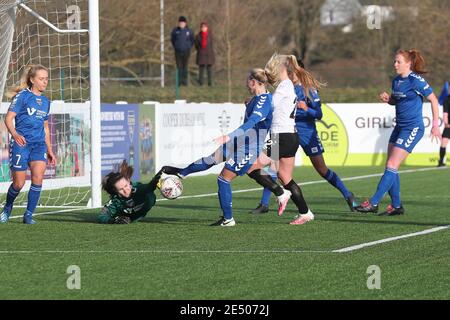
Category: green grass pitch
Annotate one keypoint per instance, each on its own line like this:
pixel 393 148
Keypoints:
pixel 175 254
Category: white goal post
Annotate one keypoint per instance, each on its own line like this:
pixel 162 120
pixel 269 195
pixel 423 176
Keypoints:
pixel 54 35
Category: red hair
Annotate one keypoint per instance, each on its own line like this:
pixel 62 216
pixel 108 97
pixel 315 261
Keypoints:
pixel 417 60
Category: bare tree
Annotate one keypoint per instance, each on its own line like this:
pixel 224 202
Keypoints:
pixel 307 23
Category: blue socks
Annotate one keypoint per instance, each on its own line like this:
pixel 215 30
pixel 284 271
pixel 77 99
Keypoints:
pixel 336 182
pixel 33 199
pixel 385 184
pixel 10 197
pixel 266 192
pixel 394 192
pixel 225 197
pixel 198 166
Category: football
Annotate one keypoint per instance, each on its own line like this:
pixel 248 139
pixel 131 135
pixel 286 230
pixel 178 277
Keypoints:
pixel 171 187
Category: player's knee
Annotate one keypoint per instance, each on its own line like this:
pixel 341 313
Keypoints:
pixel 392 164
pixel 18 185
pixel 285 177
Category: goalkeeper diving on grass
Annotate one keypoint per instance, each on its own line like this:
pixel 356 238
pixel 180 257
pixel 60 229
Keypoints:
pixel 129 201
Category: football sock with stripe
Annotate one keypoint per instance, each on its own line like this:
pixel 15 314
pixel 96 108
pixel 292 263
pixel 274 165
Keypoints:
pixel 10 197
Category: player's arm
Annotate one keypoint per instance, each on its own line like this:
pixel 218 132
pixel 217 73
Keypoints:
pixel 304 111
pixel 107 213
pixel 19 139
pixel 110 214
pixel 435 131
pixel 424 89
pixel 315 113
pixel 446 108
pixel 259 113
pixel 389 98
pixel 154 182
pixel 15 107
pixel 309 113
pixel 50 155
pixel 386 98
pixel 392 101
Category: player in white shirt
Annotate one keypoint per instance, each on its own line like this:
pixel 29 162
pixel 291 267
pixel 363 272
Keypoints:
pixel 284 139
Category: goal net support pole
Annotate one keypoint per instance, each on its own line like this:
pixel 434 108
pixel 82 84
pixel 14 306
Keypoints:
pixel 94 66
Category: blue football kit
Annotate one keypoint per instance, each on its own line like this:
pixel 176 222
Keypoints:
pixel 305 122
pixel 408 94
pixel 247 141
pixel 31 113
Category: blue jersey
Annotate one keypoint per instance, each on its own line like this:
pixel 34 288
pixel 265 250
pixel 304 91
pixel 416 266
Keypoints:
pixel 258 116
pixel 31 112
pixel 408 95
pixel 250 136
pixel 306 120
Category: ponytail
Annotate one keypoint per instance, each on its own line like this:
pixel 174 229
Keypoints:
pixel 416 58
pixel 272 69
pixel 306 79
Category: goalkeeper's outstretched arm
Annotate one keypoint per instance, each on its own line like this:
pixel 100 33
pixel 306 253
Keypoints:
pixel 154 182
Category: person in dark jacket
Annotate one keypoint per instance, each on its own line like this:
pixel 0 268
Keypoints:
pixel 205 53
pixel 182 40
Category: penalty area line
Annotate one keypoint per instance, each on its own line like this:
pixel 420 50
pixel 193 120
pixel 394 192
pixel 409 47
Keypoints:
pixel 391 239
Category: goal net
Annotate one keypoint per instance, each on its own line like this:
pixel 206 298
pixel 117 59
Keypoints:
pixel 51 33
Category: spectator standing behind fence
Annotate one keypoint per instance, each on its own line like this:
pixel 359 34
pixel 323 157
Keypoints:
pixel 182 40
pixel 205 53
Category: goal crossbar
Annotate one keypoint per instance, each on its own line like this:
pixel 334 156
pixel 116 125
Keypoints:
pixel 48 23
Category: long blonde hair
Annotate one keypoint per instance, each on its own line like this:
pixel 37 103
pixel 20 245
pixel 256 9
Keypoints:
pixel 307 80
pixel 25 81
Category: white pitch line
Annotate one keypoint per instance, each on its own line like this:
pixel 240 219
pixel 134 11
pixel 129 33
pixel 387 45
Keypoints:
pixel 50 212
pixel 374 243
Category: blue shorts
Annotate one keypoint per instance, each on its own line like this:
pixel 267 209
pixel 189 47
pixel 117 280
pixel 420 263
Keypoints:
pixel 310 143
pixel 241 159
pixel 408 137
pixel 20 157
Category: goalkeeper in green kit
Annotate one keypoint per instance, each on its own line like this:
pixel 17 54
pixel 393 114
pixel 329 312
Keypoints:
pixel 130 201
